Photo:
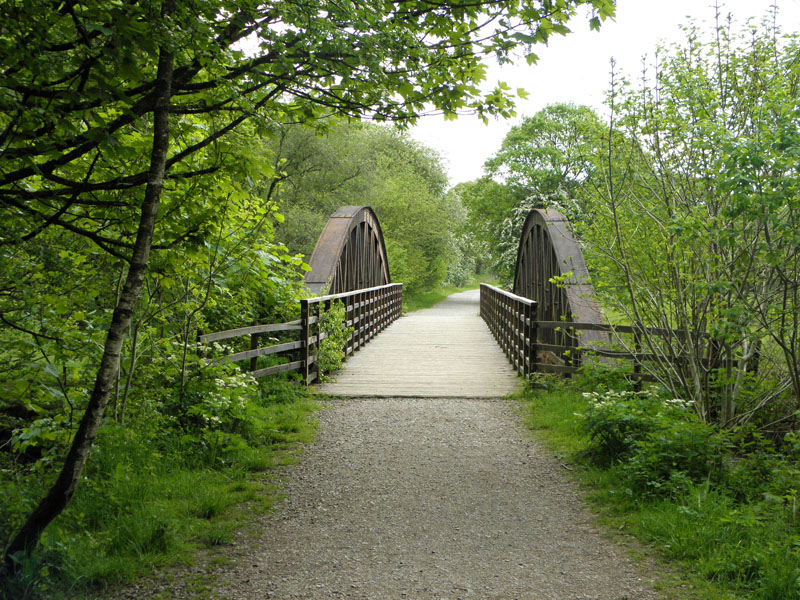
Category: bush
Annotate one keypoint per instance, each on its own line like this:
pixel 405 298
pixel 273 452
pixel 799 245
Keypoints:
pixel 674 456
pixel 661 446
pixel 331 349
pixel 616 420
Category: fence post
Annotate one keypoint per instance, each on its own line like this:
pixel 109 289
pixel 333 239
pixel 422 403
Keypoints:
pixel 398 302
pixel 637 365
pixel 350 314
pixel 527 340
pixel 362 313
pixel 305 335
pixel 254 346
pixel 371 314
pixel 199 341
pixel 318 347
pixel 569 342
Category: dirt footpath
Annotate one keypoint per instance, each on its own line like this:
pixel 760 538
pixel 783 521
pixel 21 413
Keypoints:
pixel 430 499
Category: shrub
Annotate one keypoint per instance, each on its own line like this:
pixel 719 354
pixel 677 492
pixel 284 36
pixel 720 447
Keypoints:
pixel 675 455
pixel 331 349
pixel 616 420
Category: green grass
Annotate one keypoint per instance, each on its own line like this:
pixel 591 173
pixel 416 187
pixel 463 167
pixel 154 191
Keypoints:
pixel 148 501
pixel 712 543
pixel 427 299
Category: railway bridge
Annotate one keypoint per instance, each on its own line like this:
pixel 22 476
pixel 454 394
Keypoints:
pixel 475 344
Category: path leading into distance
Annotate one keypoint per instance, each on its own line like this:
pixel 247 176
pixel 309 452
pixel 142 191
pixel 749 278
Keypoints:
pixel 445 495
pixel 429 499
pixel 442 352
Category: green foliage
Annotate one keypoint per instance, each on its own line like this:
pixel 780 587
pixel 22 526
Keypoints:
pixel 127 131
pixel 331 350
pixel 720 507
pixel 553 151
pixel 488 205
pixel 694 219
pixel 153 493
pixel 358 163
pixel 543 162
pixel 619 422
pixel 668 460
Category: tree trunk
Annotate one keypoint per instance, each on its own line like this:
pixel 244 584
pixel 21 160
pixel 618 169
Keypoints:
pixel 63 489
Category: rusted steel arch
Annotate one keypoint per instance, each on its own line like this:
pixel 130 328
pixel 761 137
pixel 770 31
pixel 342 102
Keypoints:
pixel 350 253
pixel 548 249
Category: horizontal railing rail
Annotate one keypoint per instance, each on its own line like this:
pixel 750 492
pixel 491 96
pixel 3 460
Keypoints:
pixel 572 351
pixel 367 312
pixel 512 321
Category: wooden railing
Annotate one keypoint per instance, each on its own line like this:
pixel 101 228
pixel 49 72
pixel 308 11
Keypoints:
pixel 512 321
pixel 568 355
pixel 367 311
pixel 571 351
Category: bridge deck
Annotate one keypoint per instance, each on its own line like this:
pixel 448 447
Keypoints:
pixel 445 351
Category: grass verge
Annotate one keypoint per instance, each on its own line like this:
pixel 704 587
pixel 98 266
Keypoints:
pixel 728 535
pixel 152 497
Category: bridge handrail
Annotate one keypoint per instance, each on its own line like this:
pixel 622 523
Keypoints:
pixel 512 321
pixel 368 311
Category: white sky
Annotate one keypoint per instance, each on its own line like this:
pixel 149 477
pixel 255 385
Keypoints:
pixel 574 68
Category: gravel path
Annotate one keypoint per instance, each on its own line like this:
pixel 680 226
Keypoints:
pixel 430 498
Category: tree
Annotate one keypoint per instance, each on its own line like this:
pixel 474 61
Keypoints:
pixel 550 153
pixel 543 161
pixel 107 105
pixel 694 219
pixel 363 163
pixel 488 205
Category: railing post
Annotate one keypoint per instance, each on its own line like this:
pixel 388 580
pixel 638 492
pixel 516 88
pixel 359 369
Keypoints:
pixel 304 350
pixel 398 308
pixel 350 314
pixel 529 342
pixel 506 328
pixel 522 309
pixel 534 334
pixel 380 296
pixel 319 336
pixel 371 317
pixel 360 329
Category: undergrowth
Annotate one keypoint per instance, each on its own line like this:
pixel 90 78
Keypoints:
pixel 721 505
pixel 154 492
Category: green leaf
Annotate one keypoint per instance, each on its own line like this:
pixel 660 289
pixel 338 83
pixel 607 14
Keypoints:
pixel 526 38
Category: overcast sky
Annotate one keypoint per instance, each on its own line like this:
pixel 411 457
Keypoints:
pixel 575 68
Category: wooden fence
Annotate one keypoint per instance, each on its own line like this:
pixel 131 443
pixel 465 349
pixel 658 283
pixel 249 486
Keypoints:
pixel 713 354
pixel 512 321
pixel 367 311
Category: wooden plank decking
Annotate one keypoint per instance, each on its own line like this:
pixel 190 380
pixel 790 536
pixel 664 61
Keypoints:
pixel 442 352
